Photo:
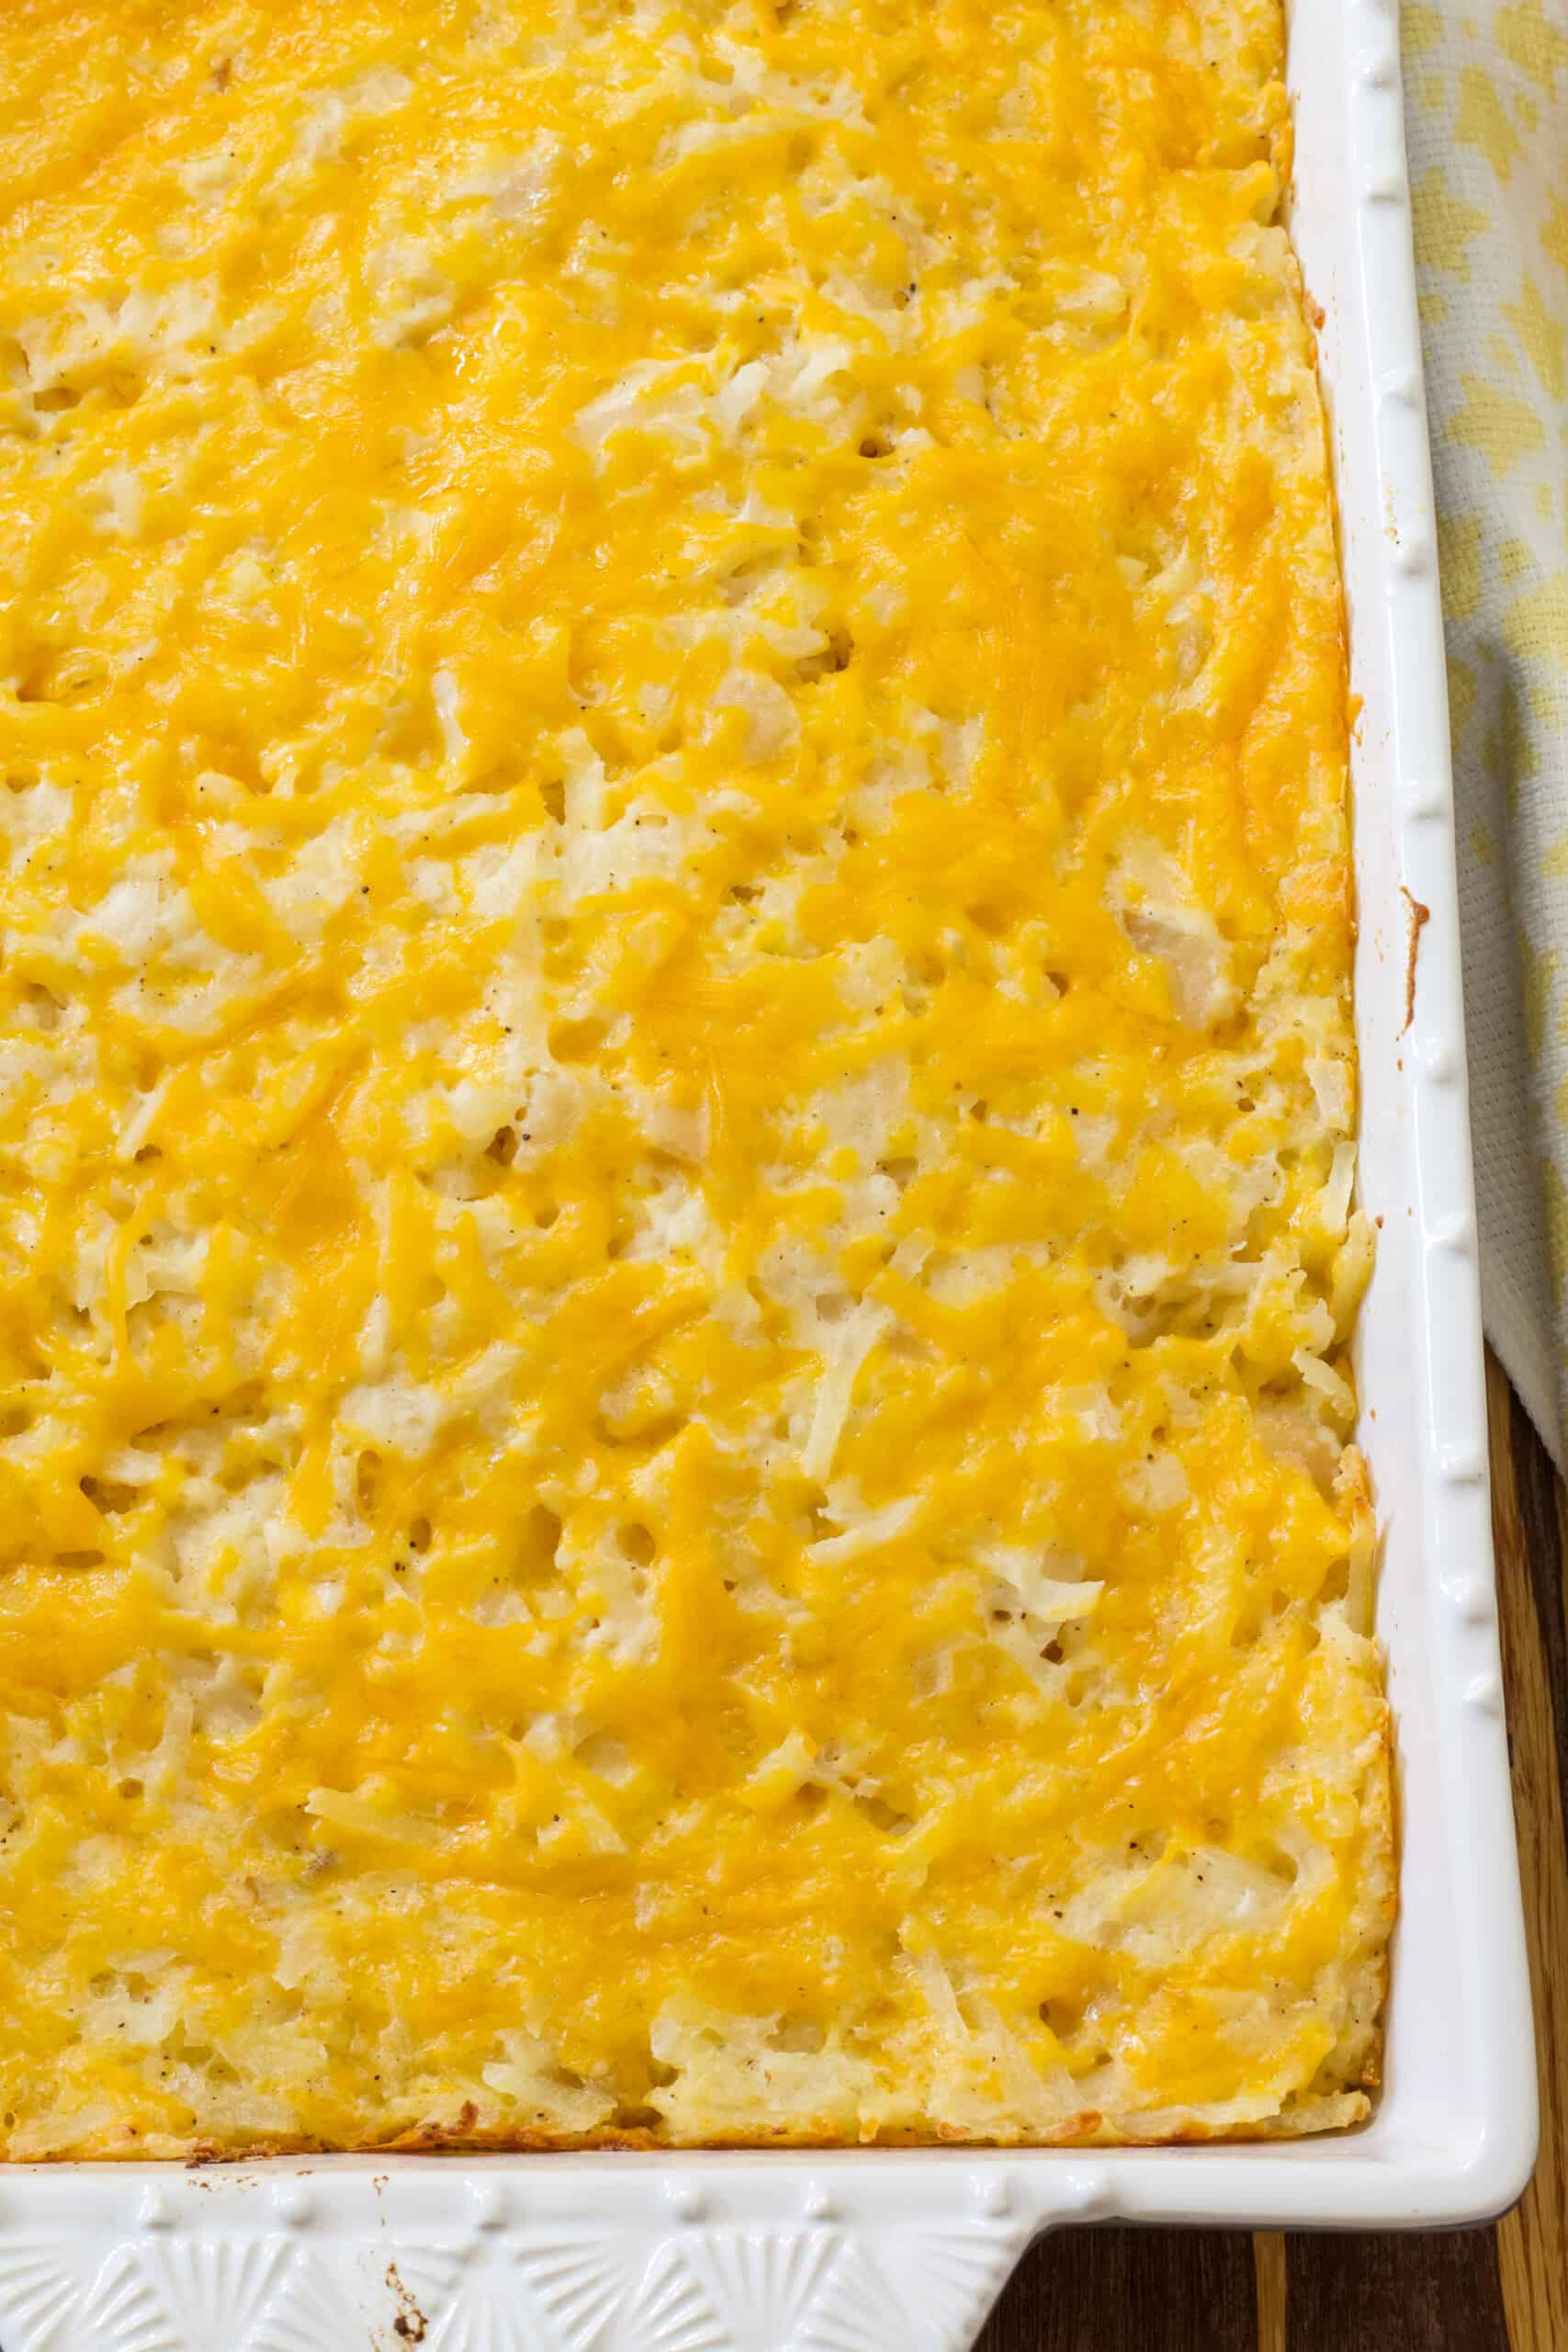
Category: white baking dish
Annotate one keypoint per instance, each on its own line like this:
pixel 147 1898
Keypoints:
pixel 903 2252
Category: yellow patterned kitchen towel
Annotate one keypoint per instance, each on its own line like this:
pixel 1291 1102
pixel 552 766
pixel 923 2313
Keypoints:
pixel 1486 106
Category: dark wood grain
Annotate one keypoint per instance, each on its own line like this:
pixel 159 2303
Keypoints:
pixel 1528 1510
pixel 1527 1514
pixel 1500 2289
pixel 1390 2292
pixel 1095 2290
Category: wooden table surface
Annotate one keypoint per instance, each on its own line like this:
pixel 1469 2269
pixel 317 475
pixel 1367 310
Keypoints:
pixel 1499 2290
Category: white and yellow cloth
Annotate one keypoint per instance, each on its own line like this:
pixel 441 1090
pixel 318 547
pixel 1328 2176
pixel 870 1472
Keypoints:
pixel 1487 99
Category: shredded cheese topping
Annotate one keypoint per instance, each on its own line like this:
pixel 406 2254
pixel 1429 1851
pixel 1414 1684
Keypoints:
pixel 676 1082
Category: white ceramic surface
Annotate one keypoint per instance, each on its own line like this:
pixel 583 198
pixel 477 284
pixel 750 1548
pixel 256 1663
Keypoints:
pixel 903 2252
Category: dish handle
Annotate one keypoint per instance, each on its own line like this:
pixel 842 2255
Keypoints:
pixel 905 2253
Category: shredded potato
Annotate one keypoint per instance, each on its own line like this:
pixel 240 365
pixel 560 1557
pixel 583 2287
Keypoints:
pixel 676 1084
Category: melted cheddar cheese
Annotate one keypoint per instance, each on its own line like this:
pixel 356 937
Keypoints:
pixel 676 1083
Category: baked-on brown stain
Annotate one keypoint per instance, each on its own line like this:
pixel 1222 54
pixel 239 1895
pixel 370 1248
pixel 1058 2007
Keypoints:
pixel 411 2325
pixel 1419 917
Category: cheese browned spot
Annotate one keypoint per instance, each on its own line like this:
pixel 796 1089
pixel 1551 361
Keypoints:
pixel 676 1083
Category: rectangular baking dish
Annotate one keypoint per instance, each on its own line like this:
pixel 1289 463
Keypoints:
pixel 903 2251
